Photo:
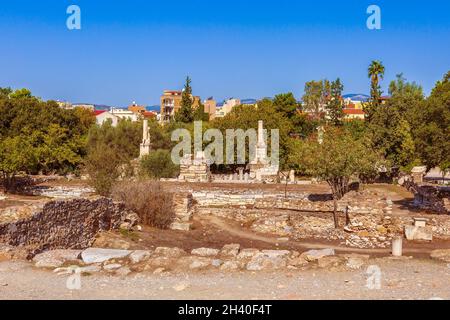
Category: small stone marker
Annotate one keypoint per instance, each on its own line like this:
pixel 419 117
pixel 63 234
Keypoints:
pixel 397 246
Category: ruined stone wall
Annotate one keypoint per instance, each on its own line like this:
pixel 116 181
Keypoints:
pixel 363 202
pixel 71 224
pixel 183 206
pixel 427 197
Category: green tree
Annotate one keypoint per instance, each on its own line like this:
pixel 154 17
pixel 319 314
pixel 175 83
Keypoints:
pixel 158 164
pixel 286 104
pixel 56 137
pixel 103 166
pixel 432 126
pixel 335 103
pixel 375 72
pixel 200 114
pixel 16 155
pixel 336 160
pixel 315 96
pixel 391 123
pixel 186 112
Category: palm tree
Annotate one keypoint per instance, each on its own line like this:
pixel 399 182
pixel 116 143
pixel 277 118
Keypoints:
pixel 376 72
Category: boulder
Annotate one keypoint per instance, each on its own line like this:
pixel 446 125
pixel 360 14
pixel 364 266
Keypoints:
pixel 441 255
pixel 112 266
pixel 139 256
pixel 154 263
pixel 55 258
pixel 169 252
pixel 230 250
pixel 276 253
pixel 123 271
pixel 229 266
pixel 200 263
pixel 97 255
pixel 263 261
pixel 205 252
pixel 247 254
pixel 297 261
pixel 314 255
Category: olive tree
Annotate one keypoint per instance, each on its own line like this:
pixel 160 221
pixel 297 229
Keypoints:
pixel 337 159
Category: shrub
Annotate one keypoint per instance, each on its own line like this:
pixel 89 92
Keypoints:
pixel 158 164
pixel 102 165
pixel 148 199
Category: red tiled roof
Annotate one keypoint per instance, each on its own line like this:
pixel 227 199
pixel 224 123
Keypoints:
pixel 98 112
pixel 354 111
pixel 149 114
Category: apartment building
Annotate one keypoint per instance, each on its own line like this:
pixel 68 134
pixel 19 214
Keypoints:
pixel 171 103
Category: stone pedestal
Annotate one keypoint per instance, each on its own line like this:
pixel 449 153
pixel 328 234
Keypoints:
pixel 196 170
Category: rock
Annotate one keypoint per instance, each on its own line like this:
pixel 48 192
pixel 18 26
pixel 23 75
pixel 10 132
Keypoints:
pixel 205 252
pixel 230 250
pixel 229 266
pixel 276 253
pixel 314 255
pixel 200 263
pixel 97 255
pixel 330 261
pixel 247 253
pixel 55 258
pixel 112 266
pixel 263 261
pixel 216 262
pixel 123 272
pixel 297 261
pixel 139 256
pixel 90 269
pixel 169 252
pixel 441 255
pixel 418 233
pixel 159 262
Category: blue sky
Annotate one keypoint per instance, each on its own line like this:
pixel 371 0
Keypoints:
pixel 134 49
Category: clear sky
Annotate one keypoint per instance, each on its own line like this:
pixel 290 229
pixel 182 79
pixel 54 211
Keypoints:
pixel 134 49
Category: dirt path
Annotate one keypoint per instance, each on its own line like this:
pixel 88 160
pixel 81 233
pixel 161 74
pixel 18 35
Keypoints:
pixel 412 279
pixel 413 249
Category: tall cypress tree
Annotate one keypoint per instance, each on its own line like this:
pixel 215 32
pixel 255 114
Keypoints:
pixel 335 105
pixel 186 112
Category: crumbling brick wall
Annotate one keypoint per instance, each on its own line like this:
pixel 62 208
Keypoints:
pixel 71 224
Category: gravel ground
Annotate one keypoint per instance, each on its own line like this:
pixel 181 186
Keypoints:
pixel 400 279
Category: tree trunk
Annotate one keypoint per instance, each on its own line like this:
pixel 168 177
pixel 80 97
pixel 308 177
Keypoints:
pixel 335 216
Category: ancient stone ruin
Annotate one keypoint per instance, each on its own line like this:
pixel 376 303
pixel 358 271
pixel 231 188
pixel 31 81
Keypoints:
pixel 71 224
pixel 260 167
pixel 195 169
pixel 146 142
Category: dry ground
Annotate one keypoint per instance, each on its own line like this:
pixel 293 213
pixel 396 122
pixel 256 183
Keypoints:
pixel 412 279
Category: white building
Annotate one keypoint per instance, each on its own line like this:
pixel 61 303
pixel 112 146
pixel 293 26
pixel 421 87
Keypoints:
pixel 103 116
pixel 124 114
